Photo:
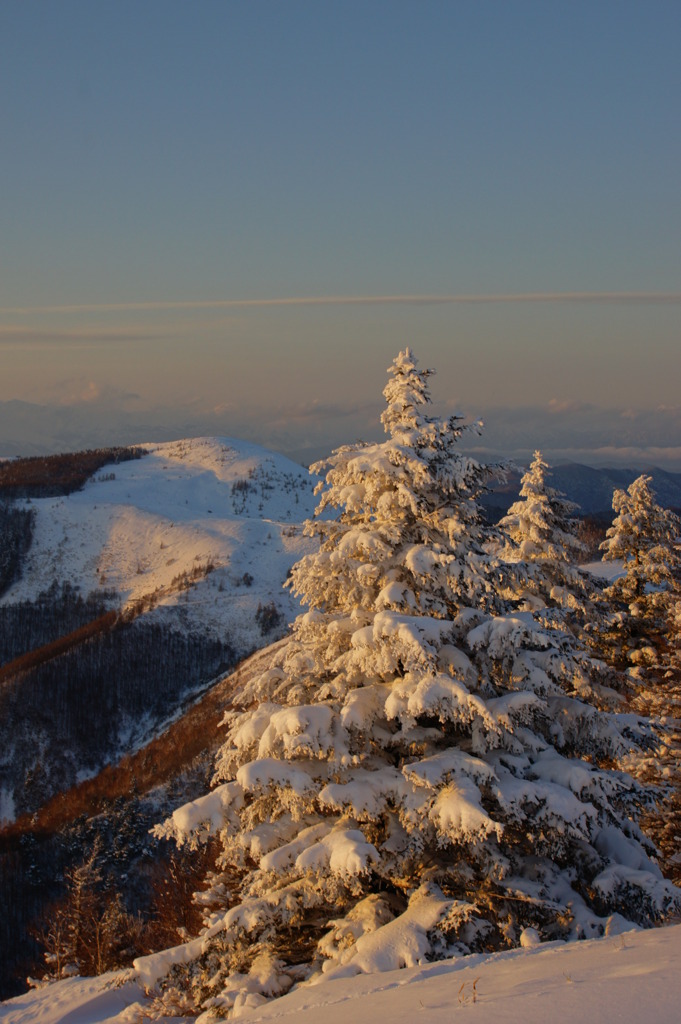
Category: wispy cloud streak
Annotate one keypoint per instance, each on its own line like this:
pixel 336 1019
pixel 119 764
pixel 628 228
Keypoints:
pixel 13 336
pixel 642 297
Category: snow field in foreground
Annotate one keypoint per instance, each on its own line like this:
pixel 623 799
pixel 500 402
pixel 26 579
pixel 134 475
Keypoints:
pixel 628 978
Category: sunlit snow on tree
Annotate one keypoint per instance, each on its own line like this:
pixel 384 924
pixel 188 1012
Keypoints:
pixel 417 774
pixel 541 530
pixel 642 637
pixel 647 539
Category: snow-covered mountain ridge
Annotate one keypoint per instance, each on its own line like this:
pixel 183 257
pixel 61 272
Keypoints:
pixel 188 504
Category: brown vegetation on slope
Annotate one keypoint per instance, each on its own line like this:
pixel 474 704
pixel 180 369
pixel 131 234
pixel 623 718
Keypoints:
pixel 42 476
pixel 62 645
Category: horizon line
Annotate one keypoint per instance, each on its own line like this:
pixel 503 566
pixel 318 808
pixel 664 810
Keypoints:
pixel 352 300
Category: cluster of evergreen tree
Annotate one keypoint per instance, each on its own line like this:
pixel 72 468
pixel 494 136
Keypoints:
pixel 433 763
pixel 93 894
pixel 53 613
pixel 16 534
pixel 60 716
pixel 645 597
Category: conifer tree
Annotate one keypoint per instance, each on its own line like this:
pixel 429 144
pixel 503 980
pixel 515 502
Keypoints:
pixel 664 700
pixel 416 774
pixel 540 533
pixel 647 539
pixel 644 639
pixel 89 931
pixel 541 529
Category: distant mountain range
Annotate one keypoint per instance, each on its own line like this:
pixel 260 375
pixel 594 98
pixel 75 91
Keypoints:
pixel 591 489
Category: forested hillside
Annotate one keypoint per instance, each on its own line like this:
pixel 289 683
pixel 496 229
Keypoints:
pixel 126 594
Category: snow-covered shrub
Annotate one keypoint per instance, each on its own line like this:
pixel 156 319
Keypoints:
pixel 419 773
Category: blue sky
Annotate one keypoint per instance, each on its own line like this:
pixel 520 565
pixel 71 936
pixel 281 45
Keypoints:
pixel 173 174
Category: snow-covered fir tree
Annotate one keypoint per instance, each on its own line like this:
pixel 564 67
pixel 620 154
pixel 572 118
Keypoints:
pixel 416 775
pixel 643 637
pixel 646 538
pixel 541 530
pixel 664 700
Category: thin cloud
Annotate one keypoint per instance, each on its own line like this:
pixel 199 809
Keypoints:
pixel 566 405
pixel 321 412
pixel 83 337
pixel 74 391
pixel 634 297
pixel 85 412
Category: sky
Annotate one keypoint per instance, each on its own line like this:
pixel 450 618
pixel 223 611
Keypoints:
pixel 228 217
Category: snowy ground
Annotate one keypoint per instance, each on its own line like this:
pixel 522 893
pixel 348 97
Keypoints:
pixel 606 570
pixel 185 504
pixel 628 978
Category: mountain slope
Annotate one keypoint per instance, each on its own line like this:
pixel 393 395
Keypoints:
pixel 192 545
pixel 182 748
pixel 137 593
pixel 141 526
